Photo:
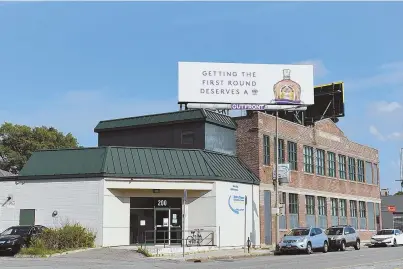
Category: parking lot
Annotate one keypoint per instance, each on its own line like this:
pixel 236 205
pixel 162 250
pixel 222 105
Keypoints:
pixel 379 258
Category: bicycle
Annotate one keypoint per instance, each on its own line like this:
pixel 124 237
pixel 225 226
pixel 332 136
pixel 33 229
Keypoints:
pixel 195 238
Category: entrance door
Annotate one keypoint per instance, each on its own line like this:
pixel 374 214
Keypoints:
pixel 162 222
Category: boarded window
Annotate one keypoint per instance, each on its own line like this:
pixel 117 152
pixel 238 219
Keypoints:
pixel 27 217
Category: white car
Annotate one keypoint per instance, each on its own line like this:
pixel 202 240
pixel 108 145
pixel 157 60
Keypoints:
pixel 387 237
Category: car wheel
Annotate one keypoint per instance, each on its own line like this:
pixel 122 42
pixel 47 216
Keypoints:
pixel 343 246
pixel 308 248
pixel 394 243
pixel 325 247
pixel 357 245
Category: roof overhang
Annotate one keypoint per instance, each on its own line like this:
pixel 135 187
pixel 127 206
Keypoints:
pixel 149 184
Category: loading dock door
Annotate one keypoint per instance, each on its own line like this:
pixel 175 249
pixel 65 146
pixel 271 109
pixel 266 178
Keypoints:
pixel 267 218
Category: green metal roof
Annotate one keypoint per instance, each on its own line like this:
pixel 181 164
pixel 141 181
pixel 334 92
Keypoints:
pixel 165 118
pixel 128 162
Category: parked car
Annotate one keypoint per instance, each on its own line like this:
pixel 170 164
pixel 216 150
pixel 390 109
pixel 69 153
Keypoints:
pixel 17 237
pixel 387 237
pixel 306 239
pixel 343 236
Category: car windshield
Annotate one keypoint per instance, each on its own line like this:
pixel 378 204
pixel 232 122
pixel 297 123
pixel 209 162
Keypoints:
pixel 298 232
pixel 16 231
pixel 334 231
pixel 384 232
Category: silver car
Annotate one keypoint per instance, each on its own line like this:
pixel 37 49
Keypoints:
pixel 343 236
pixel 304 239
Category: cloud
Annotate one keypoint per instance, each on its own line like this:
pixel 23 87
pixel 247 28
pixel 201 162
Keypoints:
pixel 395 136
pixel 384 106
pixel 374 131
pixel 387 75
pixel 79 112
pixel 319 69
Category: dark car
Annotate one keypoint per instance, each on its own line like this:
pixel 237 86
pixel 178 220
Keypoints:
pixel 17 237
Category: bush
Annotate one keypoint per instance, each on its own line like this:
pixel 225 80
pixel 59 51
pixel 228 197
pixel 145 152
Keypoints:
pixel 67 237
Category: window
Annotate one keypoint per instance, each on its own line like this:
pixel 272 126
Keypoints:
pixel 368 173
pixel 334 206
pixel 292 155
pixel 331 157
pixel 280 150
pixel 308 159
pixel 322 206
pixel 187 138
pixel 375 175
pixel 320 162
pixel 27 217
pixel 310 204
pixel 343 208
pixel 342 167
pixel 351 168
pixel 293 203
pixel 266 150
pixel 353 209
pixel 363 210
pixel 360 170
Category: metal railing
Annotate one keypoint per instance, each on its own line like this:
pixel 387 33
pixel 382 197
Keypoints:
pixel 188 238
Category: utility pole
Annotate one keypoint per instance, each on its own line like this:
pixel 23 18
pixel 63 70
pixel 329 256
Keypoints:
pixel 276 183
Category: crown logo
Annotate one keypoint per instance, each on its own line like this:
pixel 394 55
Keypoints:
pixel 255 91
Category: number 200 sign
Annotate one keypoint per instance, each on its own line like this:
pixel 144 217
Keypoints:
pixel 162 203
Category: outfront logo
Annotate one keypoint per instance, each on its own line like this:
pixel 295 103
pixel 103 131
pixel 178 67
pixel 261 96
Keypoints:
pixel 236 202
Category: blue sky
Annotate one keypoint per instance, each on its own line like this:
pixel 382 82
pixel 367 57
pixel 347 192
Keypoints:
pixel 70 65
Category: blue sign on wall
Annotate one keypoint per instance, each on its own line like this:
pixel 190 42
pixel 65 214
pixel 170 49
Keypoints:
pixel 236 202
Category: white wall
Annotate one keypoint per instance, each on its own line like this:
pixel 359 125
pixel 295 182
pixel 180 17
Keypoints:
pixel 232 224
pixel 201 213
pixel 75 200
pixel 116 218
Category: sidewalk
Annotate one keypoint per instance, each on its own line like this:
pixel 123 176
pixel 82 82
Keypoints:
pixel 224 254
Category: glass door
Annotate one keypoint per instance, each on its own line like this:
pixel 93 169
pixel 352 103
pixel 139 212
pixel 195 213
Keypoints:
pixel 162 222
pixel 176 226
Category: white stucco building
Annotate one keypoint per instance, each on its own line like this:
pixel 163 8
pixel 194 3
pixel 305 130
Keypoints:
pixel 131 195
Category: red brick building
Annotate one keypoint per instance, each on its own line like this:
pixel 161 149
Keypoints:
pixel 333 180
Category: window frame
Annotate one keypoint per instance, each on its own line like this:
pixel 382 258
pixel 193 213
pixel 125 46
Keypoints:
pixel 362 210
pixel 331 169
pixel 293 203
pixel 310 204
pixel 360 170
pixel 342 166
pixel 320 167
pixel 280 150
pixel 353 209
pixel 292 155
pixel 266 150
pixel 334 207
pixel 342 207
pixel 308 156
pixel 352 175
pixel 322 206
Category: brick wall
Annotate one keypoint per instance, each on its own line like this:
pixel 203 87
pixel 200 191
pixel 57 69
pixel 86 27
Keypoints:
pixel 325 135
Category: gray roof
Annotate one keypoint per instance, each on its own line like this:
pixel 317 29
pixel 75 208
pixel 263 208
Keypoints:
pixel 168 118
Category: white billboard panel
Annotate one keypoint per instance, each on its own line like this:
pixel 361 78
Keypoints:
pixel 236 83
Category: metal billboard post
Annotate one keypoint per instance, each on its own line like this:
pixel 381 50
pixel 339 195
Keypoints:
pixel 244 231
pixel 276 184
pixel 185 196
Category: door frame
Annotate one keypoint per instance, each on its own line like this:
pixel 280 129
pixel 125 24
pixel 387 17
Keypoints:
pixel 155 223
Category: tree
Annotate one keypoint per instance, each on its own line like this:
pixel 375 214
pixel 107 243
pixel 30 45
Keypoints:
pixel 17 142
pixel 399 193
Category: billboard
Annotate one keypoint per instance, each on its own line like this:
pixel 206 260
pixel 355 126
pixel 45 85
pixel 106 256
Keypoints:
pixel 236 83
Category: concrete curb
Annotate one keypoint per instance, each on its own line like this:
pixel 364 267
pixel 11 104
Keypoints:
pixel 55 254
pixel 229 257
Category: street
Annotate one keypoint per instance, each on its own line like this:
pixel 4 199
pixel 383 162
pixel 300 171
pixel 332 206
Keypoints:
pixel 377 258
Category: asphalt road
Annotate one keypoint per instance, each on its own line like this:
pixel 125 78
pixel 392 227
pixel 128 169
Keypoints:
pixel 379 258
